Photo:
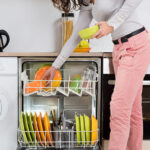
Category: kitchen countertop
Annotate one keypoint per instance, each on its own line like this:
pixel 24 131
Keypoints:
pixel 107 54
pixel 52 54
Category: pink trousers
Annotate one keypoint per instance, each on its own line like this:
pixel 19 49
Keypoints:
pixel 131 60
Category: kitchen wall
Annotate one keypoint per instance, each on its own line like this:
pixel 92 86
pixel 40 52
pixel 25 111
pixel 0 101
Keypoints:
pixel 35 25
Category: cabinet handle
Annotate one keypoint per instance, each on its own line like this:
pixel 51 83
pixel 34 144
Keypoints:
pixel 111 82
pixel 0 107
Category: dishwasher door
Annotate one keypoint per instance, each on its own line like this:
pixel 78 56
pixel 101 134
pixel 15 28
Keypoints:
pixel 65 103
pixel 8 102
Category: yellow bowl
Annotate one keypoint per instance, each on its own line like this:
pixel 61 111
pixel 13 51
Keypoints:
pixel 88 32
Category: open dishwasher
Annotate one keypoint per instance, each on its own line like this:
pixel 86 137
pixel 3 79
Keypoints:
pixel 64 115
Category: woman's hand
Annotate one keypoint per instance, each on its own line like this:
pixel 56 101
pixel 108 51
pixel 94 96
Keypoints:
pixel 49 75
pixel 105 29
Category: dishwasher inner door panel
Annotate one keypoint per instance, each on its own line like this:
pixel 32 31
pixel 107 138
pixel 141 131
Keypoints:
pixel 63 115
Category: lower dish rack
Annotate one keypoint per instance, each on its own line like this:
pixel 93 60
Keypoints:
pixel 62 139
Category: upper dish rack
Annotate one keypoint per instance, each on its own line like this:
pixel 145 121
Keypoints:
pixel 78 84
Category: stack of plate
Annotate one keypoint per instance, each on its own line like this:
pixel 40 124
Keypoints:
pixel 86 130
pixel 36 130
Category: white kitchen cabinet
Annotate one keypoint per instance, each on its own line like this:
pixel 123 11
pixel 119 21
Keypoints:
pixel 8 102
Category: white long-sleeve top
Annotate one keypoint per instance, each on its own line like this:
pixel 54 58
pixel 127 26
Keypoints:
pixel 121 14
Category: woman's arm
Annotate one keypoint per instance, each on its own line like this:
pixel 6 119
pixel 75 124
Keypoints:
pixel 115 21
pixel 84 19
pixel 125 11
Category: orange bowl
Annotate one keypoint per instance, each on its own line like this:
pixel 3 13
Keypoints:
pixel 36 85
pixel 57 78
pixel 82 50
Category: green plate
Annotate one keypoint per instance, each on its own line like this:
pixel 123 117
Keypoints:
pixel 87 128
pixel 82 129
pixel 27 128
pixel 75 84
pixel 88 32
pixel 23 128
pixel 78 129
pixel 30 118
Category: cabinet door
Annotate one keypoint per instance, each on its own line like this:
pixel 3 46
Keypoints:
pixel 8 103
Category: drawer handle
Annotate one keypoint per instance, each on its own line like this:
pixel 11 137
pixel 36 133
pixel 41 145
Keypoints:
pixel 112 82
pixel 146 82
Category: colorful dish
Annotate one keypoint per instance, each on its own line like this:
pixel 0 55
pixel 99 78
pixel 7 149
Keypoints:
pixel 56 81
pixel 36 129
pixel 23 128
pixel 47 128
pixel 87 128
pixel 27 128
pixel 75 84
pixel 82 129
pixel 33 87
pixel 94 134
pixel 40 126
pixel 88 32
pixel 78 129
pixel 30 118
pixel 38 83
pixel 82 50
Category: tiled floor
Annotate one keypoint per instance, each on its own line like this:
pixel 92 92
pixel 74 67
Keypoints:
pixel 146 145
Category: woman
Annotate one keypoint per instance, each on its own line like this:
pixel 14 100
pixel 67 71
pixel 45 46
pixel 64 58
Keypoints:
pixel 131 57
